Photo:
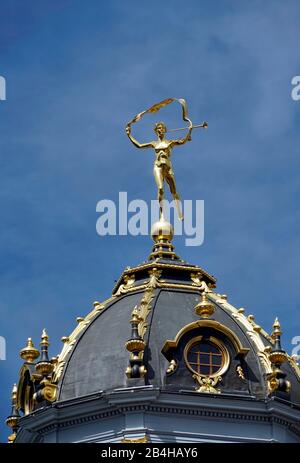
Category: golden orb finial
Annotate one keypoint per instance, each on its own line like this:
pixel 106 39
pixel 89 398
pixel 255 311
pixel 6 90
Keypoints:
pixel 29 353
pixel 162 233
pixel 162 230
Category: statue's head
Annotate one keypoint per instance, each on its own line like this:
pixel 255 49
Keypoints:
pixel 160 128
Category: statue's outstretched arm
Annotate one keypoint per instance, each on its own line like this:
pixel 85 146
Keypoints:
pixel 134 141
pixel 182 141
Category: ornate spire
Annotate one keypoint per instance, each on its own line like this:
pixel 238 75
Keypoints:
pixel 276 329
pixel 29 353
pixel 277 356
pixel 13 420
pixel 136 346
pixel 44 367
pixel 47 390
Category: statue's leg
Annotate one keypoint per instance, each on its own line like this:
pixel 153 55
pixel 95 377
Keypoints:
pixel 159 179
pixel 170 178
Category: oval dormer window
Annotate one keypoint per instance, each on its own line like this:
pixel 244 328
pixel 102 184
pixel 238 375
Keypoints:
pixel 206 357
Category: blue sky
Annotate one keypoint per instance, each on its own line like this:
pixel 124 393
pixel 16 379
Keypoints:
pixel 76 72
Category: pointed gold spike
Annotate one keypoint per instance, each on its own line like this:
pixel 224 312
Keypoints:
pixel 45 338
pixel 276 328
pixel 14 393
pixel 12 420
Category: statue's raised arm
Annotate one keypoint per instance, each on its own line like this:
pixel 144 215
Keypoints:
pixel 134 140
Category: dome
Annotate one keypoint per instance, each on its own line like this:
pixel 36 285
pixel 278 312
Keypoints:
pixel 95 357
pixel 164 346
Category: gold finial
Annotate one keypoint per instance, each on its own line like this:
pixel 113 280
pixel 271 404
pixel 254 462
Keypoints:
pixel 276 328
pixel 277 356
pixel 12 420
pixel 256 327
pixel 44 367
pixel 44 338
pixel 136 346
pixel 29 353
pixel 162 233
pixel 135 316
pixel 14 393
pixel 65 339
pixel 162 230
pixel 204 308
pixel 98 306
pixel 79 319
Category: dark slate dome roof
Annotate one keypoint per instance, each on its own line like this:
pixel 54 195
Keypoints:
pixel 164 345
pixel 166 291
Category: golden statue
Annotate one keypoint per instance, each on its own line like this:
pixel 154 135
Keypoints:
pixel 163 171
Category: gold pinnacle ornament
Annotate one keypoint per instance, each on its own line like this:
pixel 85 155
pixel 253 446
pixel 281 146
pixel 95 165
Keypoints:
pixel 276 329
pixel 204 308
pixel 44 367
pixel 29 353
pixel 13 420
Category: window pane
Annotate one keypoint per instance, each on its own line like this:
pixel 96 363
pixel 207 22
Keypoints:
pixel 216 359
pixel 204 370
pixel 205 358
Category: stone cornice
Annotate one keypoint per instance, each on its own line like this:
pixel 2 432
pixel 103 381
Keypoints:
pixel 151 400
